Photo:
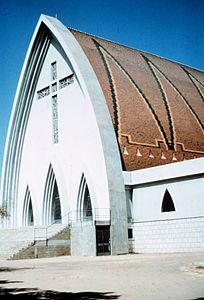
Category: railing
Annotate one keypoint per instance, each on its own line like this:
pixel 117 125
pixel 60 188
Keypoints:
pixel 41 233
pixel 95 215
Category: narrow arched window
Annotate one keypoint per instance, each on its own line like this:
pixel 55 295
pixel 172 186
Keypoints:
pixel 30 214
pixel 85 212
pixel 52 202
pixel 56 206
pixel 87 207
pixel 167 202
pixel 28 218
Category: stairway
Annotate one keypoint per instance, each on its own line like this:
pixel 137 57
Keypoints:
pixel 33 242
pixel 14 239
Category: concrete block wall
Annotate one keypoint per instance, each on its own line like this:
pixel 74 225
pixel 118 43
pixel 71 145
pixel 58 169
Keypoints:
pixel 164 236
pixel 83 238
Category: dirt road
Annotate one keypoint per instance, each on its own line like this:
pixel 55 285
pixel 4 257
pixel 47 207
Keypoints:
pixel 143 276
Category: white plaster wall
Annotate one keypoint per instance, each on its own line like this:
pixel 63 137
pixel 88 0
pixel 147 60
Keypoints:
pixel 181 230
pixel 79 148
pixel 184 180
pixel 176 231
pixel 187 196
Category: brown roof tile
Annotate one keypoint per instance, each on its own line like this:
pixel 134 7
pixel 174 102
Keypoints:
pixel 156 105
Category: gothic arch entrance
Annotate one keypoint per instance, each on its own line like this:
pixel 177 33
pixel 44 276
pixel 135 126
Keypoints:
pixel 52 204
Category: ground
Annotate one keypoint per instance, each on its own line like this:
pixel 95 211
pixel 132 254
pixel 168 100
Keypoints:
pixel 139 276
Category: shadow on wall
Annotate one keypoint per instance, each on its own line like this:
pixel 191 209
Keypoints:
pixel 36 294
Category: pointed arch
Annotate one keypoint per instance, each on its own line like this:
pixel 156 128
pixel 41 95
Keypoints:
pixel 47 29
pixel 85 208
pixel 28 216
pixel 167 202
pixel 51 203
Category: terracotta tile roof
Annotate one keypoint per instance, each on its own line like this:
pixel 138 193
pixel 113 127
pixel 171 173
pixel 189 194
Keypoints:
pixel 156 105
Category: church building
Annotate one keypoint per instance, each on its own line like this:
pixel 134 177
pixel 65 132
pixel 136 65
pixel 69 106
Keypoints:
pixel 109 141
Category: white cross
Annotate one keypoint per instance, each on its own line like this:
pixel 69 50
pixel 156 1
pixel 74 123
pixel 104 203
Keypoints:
pixel 62 83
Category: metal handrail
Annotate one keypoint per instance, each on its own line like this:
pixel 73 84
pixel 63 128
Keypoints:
pixel 45 228
pixel 41 237
pixel 97 214
pixel 78 217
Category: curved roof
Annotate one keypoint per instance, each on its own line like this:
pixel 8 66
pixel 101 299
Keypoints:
pixel 156 105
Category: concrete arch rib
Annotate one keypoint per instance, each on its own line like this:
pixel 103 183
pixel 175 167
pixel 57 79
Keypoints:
pixel 53 28
pixel 19 118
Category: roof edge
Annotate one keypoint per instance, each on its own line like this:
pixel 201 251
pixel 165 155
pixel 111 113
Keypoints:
pixel 136 49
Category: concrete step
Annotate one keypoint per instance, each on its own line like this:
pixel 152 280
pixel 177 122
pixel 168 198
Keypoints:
pixel 42 249
pixel 14 240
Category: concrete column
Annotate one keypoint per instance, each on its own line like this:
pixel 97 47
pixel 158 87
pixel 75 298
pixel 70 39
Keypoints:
pixel 119 226
pixel 83 238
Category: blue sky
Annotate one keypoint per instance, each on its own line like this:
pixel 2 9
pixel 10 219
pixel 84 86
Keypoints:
pixel 173 29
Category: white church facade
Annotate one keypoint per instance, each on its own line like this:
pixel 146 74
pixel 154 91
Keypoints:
pixel 108 140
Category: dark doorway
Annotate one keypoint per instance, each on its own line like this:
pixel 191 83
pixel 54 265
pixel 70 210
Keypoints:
pixel 103 240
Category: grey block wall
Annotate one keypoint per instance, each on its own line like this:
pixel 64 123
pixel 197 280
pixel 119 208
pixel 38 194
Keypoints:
pixel 176 235
pixel 83 239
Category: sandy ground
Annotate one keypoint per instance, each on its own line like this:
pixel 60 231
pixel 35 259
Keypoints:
pixel 143 276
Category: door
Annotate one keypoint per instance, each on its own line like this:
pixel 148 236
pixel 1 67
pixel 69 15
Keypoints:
pixel 103 240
